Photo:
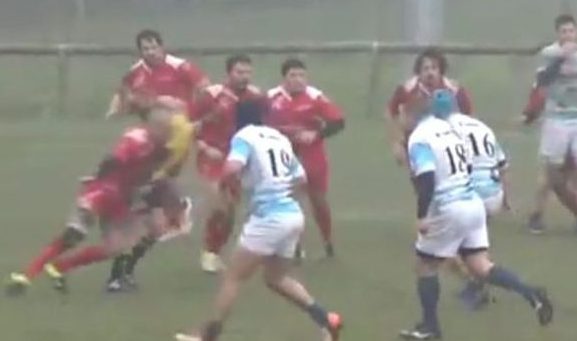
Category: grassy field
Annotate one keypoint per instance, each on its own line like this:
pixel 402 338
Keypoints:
pixel 370 282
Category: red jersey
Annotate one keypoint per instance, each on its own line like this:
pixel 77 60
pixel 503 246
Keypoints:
pixel 217 110
pixel 310 109
pixel 413 85
pixel 133 160
pixel 174 77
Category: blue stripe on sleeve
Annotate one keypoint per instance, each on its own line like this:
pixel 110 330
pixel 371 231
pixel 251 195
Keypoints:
pixel 239 150
pixel 421 158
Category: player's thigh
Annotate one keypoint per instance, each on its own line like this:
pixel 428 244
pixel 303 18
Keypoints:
pixel 478 263
pixel 318 175
pixel 556 141
pixel 243 263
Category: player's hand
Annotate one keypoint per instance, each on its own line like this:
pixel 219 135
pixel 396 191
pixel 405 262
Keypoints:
pixel 170 102
pixel 306 136
pixel 568 49
pixel 422 226
pixel 212 153
pixel 400 153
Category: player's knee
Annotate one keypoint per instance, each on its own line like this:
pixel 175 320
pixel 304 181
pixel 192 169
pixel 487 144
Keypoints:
pixel 426 267
pixel 72 237
pixel 479 264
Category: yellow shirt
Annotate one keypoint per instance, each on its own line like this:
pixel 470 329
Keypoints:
pixel 178 146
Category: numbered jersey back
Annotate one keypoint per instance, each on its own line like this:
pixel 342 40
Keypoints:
pixel 481 141
pixel 435 146
pixel 271 168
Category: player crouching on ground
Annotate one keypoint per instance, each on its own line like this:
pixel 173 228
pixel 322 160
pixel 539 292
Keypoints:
pixel 268 166
pixel 109 199
pixel 451 220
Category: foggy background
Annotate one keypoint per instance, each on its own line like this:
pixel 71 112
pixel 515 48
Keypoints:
pixel 31 84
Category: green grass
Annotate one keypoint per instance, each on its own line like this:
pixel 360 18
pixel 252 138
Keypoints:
pixel 370 282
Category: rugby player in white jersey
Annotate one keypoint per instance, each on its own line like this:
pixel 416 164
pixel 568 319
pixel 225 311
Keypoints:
pixel 488 177
pixel 558 78
pixel 451 219
pixel 271 172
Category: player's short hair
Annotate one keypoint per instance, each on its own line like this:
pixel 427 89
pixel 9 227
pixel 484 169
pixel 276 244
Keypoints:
pixel 564 19
pixel 148 35
pixel 434 54
pixel 292 63
pixel 237 59
pixel 250 111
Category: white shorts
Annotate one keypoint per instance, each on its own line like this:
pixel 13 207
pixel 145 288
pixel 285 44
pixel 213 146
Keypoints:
pixel 275 235
pixel 460 227
pixel 494 204
pixel 558 140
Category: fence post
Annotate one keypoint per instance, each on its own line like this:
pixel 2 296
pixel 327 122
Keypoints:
pixel 374 79
pixel 62 76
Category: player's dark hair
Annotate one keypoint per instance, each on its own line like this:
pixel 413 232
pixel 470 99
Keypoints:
pixel 564 19
pixel 249 112
pixel 237 59
pixel 292 63
pixel 434 54
pixel 148 35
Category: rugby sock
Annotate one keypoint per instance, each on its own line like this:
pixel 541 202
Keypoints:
pixel 214 231
pixel 322 214
pixel 318 314
pixel 118 266
pixel 83 257
pixel 50 252
pixel 138 251
pixel 506 279
pixel 429 289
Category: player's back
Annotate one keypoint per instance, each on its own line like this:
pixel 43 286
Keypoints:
pixel 271 171
pixel 435 146
pixel 487 155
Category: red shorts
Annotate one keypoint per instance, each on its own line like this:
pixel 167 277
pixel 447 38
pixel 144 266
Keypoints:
pixel 105 200
pixel 316 167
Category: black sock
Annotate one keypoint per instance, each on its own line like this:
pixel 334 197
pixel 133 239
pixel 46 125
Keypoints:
pixel 118 265
pixel 211 331
pixel 429 291
pixel 506 279
pixel 138 252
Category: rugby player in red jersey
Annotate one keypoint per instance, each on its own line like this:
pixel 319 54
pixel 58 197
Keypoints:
pixel 307 117
pixel 429 70
pixel 158 78
pixel 217 111
pixel 107 199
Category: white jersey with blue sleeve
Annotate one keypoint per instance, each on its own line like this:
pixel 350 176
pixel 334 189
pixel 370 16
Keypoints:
pixel 487 155
pixel 457 216
pixel 270 171
pixel 434 146
pixel 271 168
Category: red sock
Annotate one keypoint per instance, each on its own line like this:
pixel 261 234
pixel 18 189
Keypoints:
pixel 49 252
pixel 322 214
pixel 214 232
pixel 83 257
